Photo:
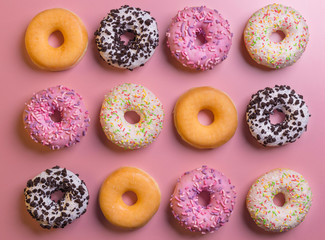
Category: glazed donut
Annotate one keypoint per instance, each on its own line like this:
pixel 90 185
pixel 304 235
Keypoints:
pixel 131 97
pixel 192 215
pixel 69 53
pixel 284 99
pixel 192 131
pixel 265 213
pixel 123 180
pixel 70 117
pixel 51 214
pixel 272 18
pixel 137 51
pixel 206 23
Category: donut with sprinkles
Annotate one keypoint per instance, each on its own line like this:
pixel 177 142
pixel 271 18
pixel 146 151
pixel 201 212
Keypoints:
pixel 131 97
pixel 270 19
pixel 185 204
pixel 56 117
pixel 49 213
pixel 281 98
pixel 137 51
pixel 206 24
pixel 271 217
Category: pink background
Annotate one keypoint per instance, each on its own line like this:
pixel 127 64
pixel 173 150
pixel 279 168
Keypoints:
pixel 241 159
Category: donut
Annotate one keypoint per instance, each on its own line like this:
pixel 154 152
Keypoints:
pixel 205 23
pixel 270 19
pixel 186 207
pixel 138 50
pixel 48 213
pixel 192 131
pixel 269 216
pixel 69 53
pixel 131 97
pixel 56 117
pixel 123 180
pixel 287 101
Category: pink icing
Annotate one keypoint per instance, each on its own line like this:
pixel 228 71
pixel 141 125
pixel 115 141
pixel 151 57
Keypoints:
pixel 185 204
pixel 73 122
pixel 194 21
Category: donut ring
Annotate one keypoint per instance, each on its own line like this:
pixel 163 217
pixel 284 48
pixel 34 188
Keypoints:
pixel 138 50
pixel 272 18
pixel 192 131
pixel 185 205
pixel 192 22
pixel 298 199
pixel 121 181
pixel 131 97
pixel 286 100
pixel 51 214
pixel 72 122
pixel 69 53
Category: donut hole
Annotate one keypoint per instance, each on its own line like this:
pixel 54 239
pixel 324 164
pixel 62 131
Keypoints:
pixel 277 36
pixel 200 37
pixel 132 117
pixel 126 37
pixel 205 117
pixel 204 198
pixel 56 39
pixel 57 196
pixel 277 116
pixel 56 116
pixel 129 198
pixel 279 199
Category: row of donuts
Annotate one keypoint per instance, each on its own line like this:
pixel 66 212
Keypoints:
pixel 184 202
pixel 57 117
pixel 186 27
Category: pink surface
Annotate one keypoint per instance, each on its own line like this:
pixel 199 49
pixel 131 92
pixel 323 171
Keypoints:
pixel 241 159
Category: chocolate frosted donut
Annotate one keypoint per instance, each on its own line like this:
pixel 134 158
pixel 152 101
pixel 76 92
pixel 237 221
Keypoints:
pixel 51 214
pixel 137 51
pixel 281 98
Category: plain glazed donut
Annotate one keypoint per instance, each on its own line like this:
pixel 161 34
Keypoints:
pixel 123 180
pixel 185 204
pixel 51 214
pixel 69 53
pixel 298 199
pixel 137 51
pixel 192 131
pixel 272 18
pixel 192 22
pixel 131 97
pixel 72 117
pixel 284 99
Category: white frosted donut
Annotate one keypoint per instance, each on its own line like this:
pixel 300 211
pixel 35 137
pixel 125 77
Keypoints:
pixel 138 50
pixel 269 216
pixel 131 97
pixel 51 214
pixel 284 99
pixel 272 18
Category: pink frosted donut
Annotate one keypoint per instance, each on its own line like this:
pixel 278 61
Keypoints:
pixel 185 204
pixel 56 117
pixel 203 22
